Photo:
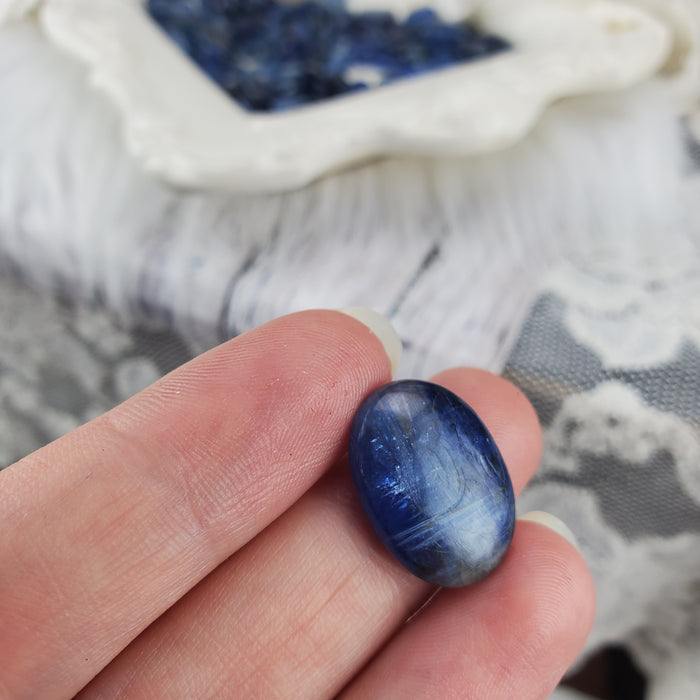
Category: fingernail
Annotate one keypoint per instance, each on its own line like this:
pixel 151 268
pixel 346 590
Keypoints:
pixel 380 326
pixel 552 522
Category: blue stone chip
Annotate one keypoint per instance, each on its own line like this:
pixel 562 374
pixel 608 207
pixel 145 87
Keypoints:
pixel 432 482
pixel 272 56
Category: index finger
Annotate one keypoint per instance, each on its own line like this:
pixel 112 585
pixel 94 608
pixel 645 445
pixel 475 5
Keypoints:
pixel 106 528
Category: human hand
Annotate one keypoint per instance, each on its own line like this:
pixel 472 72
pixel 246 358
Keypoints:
pixel 203 540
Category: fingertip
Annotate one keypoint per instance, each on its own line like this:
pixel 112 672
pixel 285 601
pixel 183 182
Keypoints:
pixel 380 326
pixel 553 523
pixel 566 589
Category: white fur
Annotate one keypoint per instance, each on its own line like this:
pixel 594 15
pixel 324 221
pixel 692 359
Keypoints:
pixel 599 177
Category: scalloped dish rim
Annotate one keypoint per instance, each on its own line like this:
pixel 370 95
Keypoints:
pixel 186 130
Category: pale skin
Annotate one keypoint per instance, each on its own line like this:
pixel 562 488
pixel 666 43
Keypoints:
pixel 202 540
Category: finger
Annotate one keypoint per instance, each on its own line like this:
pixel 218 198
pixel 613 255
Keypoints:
pixel 513 635
pixel 306 604
pixel 106 528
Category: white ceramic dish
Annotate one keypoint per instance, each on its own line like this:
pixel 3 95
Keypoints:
pixel 185 129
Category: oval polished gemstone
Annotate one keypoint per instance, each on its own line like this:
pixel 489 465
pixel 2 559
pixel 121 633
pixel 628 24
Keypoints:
pixel 432 482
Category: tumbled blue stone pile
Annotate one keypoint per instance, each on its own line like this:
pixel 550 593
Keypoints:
pixel 272 56
pixel 432 482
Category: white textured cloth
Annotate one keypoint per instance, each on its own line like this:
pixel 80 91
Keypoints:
pixel 407 237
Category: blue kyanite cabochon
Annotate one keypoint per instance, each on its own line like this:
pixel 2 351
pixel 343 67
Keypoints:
pixel 432 482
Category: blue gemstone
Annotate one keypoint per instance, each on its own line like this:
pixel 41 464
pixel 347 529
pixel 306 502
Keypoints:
pixel 432 482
